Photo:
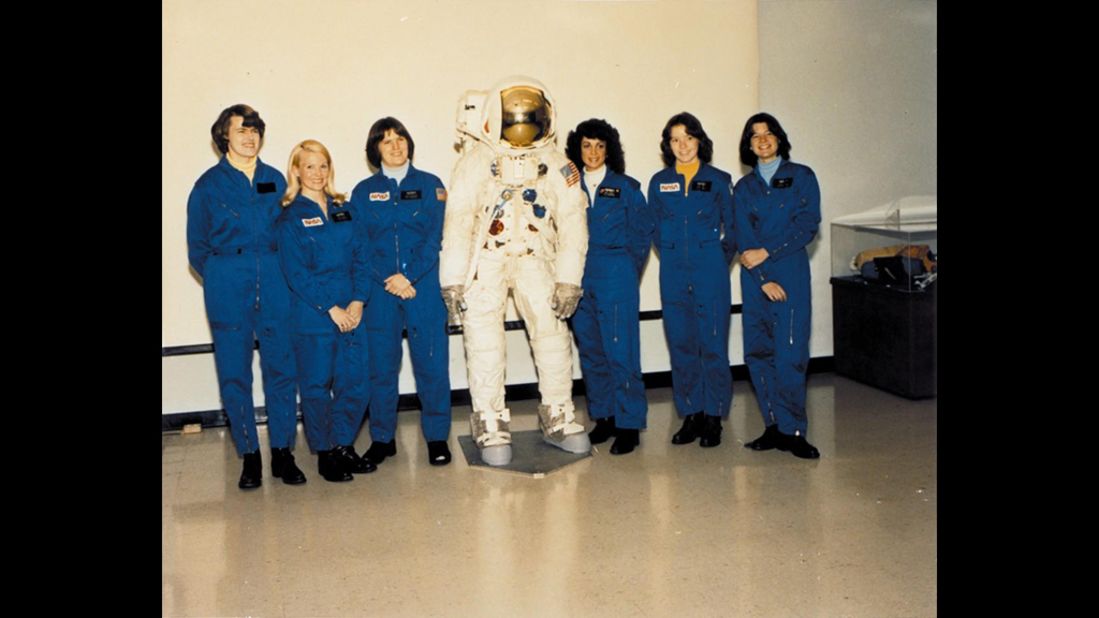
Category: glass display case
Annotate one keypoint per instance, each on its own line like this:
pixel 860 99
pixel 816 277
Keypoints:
pixel 884 268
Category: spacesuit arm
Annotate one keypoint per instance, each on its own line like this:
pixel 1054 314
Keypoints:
pixel 360 207
pixel 198 230
pixel 746 234
pixel 641 224
pixel 361 267
pixel 295 259
pixel 654 210
pixel 458 222
pixel 728 221
pixel 804 220
pixel 427 256
pixel 572 230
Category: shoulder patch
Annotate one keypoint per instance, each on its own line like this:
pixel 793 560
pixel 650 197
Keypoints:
pixel 571 174
pixel 440 194
pixel 312 222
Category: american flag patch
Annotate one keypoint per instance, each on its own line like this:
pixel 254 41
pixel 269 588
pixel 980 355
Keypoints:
pixel 571 174
pixel 440 194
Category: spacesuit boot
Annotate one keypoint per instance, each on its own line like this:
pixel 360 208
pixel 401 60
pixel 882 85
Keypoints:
pixel 492 435
pixel 560 429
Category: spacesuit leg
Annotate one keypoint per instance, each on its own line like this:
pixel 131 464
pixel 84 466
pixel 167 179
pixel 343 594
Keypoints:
pixel 791 350
pixel 713 320
pixel 316 359
pixel 594 365
pixel 621 339
pixel 552 346
pixel 233 359
pixel 759 345
pixel 483 336
pixel 429 346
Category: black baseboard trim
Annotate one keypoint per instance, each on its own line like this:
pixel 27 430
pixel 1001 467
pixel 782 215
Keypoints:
pixel 460 397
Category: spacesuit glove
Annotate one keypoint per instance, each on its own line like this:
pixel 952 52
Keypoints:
pixel 565 298
pixel 454 299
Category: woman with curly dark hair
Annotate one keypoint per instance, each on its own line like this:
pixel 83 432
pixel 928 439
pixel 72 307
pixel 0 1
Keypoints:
pixel 606 325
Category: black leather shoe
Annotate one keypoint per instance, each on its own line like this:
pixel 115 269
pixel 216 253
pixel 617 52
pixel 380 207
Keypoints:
pixel 283 466
pixel 251 476
pixel 769 440
pixel 378 451
pixel 328 464
pixel 692 424
pixel 799 446
pixel 603 431
pixel 626 441
pixel 351 461
pixel 438 453
pixel 711 432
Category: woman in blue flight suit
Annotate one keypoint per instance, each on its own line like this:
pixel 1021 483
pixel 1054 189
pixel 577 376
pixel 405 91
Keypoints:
pixel 777 214
pixel 402 209
pixel 694 235
pixel 231 244
pixel 620 232
pixel 323 254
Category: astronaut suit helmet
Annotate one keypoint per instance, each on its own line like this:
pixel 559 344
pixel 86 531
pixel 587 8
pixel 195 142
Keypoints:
pixel 516 115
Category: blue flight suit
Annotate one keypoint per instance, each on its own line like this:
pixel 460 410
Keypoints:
pixel 781 218
pixel 404 223
pixel 695 238
pixel 231 244
pixel 620 232
pixel 325 261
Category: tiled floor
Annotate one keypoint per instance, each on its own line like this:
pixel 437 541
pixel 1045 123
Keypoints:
pixel 665 531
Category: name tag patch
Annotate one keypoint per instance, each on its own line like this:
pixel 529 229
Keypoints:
pixel 340 216
pixel 413 194
pixel 782 183
pixel 669 187
pixel 379 196
pixel 701 185
pixel 265 187
pixel 610 192
pixel 313 222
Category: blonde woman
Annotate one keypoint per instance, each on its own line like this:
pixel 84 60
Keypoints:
pixel 324 258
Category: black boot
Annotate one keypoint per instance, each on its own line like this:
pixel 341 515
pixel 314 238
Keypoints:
pixel 627 440
pixel 603 431
pixel 328 464
pixel 251 476
pixel 692 425
pixel 351 461
pixel 378 451
pixel 711 432
pixel 438 453
pixel 799 446
pixel 769 440
pixel 283 466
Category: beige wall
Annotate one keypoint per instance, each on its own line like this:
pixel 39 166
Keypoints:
pixel 327 70
pixel 853 82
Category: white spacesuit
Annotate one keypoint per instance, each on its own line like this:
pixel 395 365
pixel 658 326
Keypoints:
pixel 516 221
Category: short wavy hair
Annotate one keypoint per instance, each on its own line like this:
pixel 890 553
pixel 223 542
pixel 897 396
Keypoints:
pixel 749 158
pixel 694 129
pixel 597 128
pixel 377 134
pixel 220 129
